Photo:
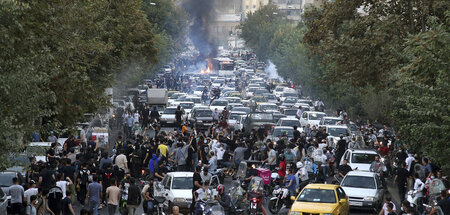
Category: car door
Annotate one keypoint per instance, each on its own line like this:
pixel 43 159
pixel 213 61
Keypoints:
pixel 304 119
pixel 343 208
pixel 3 202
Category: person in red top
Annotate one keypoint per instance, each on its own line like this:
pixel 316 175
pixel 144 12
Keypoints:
pixel 384 150
pixel 282 167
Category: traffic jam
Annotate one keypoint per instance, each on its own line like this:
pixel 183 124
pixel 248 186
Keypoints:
pixel 228 138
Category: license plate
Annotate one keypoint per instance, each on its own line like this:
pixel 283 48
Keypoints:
pixel 253 205
pixel 356 203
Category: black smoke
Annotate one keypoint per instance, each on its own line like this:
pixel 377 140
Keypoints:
pixel 201 14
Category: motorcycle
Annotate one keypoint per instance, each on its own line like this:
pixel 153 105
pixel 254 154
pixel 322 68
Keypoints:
pixel 237 194
pixel 280 198
pixel 256 195
pixel 429 208
pixel 160 205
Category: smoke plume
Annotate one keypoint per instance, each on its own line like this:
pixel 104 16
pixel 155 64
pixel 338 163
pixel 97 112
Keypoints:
pixel 201 14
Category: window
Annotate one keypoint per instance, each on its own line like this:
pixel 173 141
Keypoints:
pixel 305 116
pixel 341 193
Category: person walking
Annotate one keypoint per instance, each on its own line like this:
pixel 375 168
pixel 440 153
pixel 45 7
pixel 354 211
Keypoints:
pixel 112 197
pixel 17 197
pixel 94 195
pixel 31 206
pixel 67 207
pixel 134 197
pixel 54 196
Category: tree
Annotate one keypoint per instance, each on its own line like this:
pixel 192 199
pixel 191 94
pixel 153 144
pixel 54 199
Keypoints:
pixel 258 29
pixel 423 84
pixel 58 57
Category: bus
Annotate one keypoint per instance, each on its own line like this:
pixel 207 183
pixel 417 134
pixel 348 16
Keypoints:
pixel 222 63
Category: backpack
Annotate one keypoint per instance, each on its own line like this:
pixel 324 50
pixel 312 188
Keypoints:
pixel 84 176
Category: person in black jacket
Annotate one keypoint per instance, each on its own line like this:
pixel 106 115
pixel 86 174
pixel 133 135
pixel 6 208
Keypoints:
pixel 134 197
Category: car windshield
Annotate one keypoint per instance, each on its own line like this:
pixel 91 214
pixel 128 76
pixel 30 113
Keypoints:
pixel 259 99
pixel 187 105
pixel 270 96
pixel 290 123
pixel 316 116
pixel 199 88
pixel 6 179
pixel 290 100
pixel 219 103
pixel 330 121
pixel 359 182
pixel 195 100
pixel 268 107
pixel 234 116
pixel 317 195
pixel 289 95
pixel 243 109
pixel 203 113
pixel 262 116
pixel 280 131
pixel 234 100
pixel 170 111
pixel 363 158
pixel 290 112
pixel 182 183
pixel 335 132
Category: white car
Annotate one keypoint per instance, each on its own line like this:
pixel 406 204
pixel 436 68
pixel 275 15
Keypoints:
pixel 267 107
pixel 290 113
pixel 168 116
pixel 287 95
pixel 233 118
pixel 198 90
pixel 240 122
pixel 271 98
pixel 197 100
pixel 329 120
pixel 233 99
pixel 187 107
pixel 312 118
pixel 359 159
pixel 334 132
pixel 279 91
pixel 290 122
pixel 178 186
pixel 219 104
pixel 364 189
pixel 279 131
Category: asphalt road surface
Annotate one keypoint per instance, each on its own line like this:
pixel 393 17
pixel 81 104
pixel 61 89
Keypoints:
pixel 284 211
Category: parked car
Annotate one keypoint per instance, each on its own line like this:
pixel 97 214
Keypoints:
pixel 290 113
pixel 233 118
pixel 364 189
pixel 321 199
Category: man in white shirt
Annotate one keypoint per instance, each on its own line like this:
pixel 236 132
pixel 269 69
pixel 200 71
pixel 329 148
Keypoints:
pixel 301 176
pixel 384 210
pixel 408 161
pixel 31 191
pixel 63 185
pixel 121 161
pixel 418 195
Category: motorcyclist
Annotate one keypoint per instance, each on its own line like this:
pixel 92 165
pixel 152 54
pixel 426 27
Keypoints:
pixel 224 199
pixel 301 176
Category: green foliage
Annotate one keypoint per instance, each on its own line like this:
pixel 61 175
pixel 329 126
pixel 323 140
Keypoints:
pixel 258 30
pixel 423 107
pixel 58 57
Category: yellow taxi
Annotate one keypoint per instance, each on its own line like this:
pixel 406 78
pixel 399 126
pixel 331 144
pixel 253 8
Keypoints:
pixel 321 199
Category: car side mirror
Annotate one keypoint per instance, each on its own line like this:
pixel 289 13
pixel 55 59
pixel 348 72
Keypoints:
pixel 342 201
pixel 292 198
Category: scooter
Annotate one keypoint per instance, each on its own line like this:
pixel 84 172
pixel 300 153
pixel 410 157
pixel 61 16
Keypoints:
pixel 280 198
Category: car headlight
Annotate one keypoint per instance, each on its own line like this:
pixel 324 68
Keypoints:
pixel 179 200
pixel 294 213
pixel 368 198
